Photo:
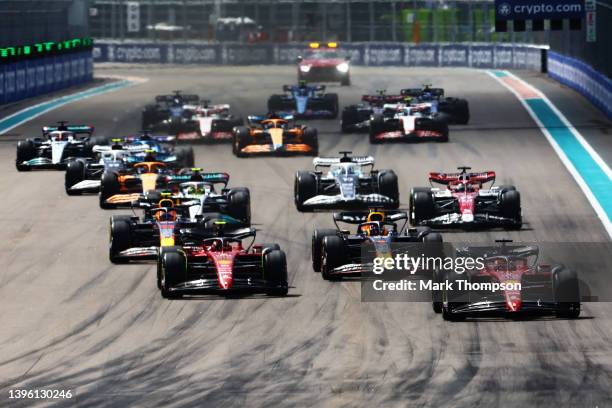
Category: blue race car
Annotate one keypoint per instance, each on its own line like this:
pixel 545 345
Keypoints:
pixel 305 101
pixel 164 148
pixel 171 113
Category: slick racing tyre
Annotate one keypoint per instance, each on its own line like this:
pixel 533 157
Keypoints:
pixel 275 272
pixel 454 298
pixel 173 270
pixel 566 291
pixel 184 156
pixel 377 126
pixel 457 110
pixel 311 138
pixel 75 173
pixel 120 232
pixel 330 101
pixel 25 152
pixel 388 186
pixel 510 206
pixel 241 139
pixel 305 187
pixel 109 186
pixel 317 246
pixel 421 205
pixel 239 204
pixel 350 117
pixel 333 255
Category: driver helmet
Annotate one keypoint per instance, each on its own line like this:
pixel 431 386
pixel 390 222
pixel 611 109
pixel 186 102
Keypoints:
pixel 302 83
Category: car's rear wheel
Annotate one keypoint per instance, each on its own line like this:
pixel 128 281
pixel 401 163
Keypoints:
pixel 377 126
pixel 421 206
pixel 566 293
pixel 388 186
pixel 305 187
pixel 75 173
pixel 239 205
pixel 331 103
pixel 240 140
pixel 109 186
pixel 510 205
pixel 275 272
pixel 310 137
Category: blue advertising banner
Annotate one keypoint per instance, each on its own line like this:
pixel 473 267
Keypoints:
pixel 9 83
pixel 421 56
pixel 196 54
pixel 502 56
pixel 20 80
pixel 538 9
pixel 138 53
pixel 2 94
pixel 58 70
pixel 244 54
pixel 31 77
pixel 49 74
pixel 481 56
pixel 454 55
pixel 384 54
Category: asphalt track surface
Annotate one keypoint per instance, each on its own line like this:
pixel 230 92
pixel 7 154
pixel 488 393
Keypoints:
pixel 71 320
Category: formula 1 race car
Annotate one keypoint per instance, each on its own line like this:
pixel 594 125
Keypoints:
pixel 451 110
pixel 165 215
pixel 324 63
pixel 356 118
pixel 209 123
pixel 337 252
pixel 529 287
pixel 83 175
pixel 304 101
pixel 162 146
pixel 401 122
pixel 122 188
pixel 221 264
pixel 350 183
pixel 274 136
pixel 464 202
pixel 169 114
pixel 56 148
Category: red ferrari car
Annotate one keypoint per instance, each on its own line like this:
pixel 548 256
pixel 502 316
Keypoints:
pixel 323 63
pixel 220 263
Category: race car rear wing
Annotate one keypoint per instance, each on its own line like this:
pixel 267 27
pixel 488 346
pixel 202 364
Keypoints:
pixel 450 178
pixel 380 99
pixel 127 149
pixel 316 88
pixel 328 161
pixel 196 175
pixel 76 129
pixel 416 92
pixel 257 119
pixel 358 217
pixel 186 98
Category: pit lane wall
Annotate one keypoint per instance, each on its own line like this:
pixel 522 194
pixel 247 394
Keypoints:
pixel 583 78
pixel 476 55
pixel 32 77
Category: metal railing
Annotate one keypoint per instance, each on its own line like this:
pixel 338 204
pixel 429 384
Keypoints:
pixel 287 21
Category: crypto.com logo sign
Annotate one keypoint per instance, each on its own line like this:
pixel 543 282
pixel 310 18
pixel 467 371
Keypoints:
pixel 538 9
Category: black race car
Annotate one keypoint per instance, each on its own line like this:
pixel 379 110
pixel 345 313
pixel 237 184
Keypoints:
pixel 337 252
pixel 356 118
pixel 170 114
